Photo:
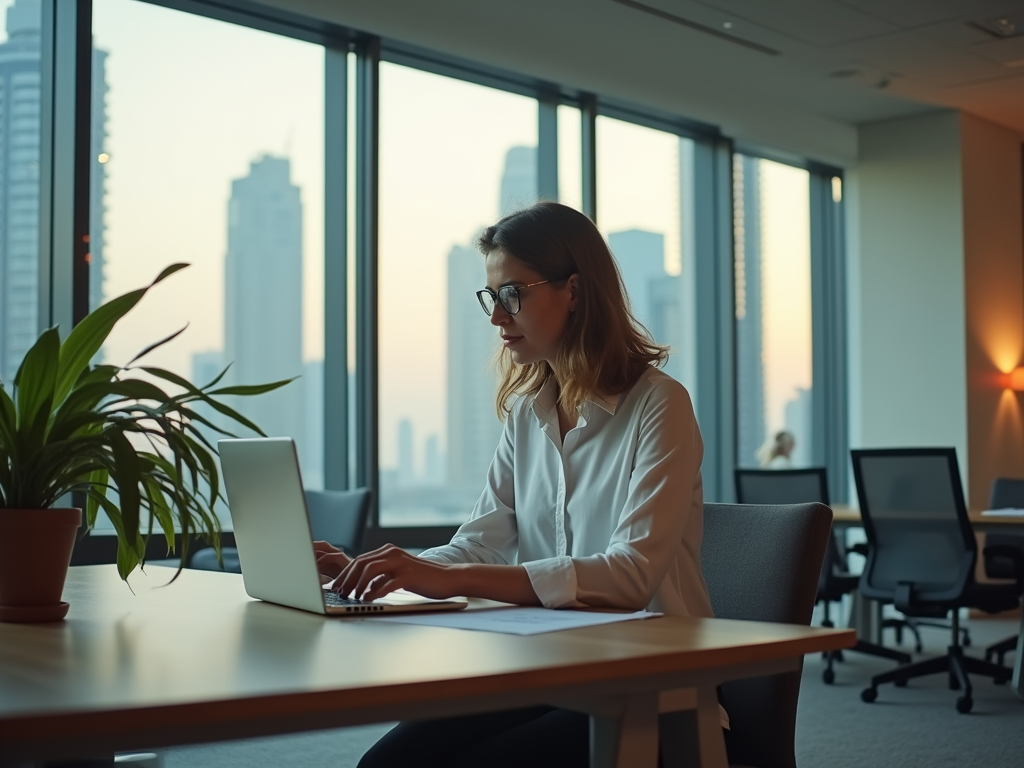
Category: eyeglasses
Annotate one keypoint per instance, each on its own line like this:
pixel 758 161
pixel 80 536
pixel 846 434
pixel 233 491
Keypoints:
pixel 508 295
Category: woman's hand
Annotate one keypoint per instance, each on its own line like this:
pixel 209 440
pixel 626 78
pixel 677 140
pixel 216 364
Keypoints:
pixel 330 561
pixel 384 570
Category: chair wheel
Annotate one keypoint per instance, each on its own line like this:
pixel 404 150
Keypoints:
pixel 828 676
pixel 869 695
pixel 902 683
pixel 967 641
pixel 964 704
pixel 999 681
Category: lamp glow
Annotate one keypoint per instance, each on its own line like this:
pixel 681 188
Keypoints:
pixel 1016 379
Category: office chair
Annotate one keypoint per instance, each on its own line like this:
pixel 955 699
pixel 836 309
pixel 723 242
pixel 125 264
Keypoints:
pixel 922 553
pixel 760 564
pixel 1006 492
pixel 794 486
pixel 337 517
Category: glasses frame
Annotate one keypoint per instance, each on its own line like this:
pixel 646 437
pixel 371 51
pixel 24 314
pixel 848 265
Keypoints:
pixel 497 298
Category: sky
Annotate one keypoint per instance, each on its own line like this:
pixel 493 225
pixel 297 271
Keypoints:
pixel 192 102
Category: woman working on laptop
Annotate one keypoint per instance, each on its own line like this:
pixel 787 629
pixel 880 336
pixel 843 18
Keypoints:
pixel 593 497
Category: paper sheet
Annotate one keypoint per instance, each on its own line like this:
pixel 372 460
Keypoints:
pixel 515 620
pixel 1005 512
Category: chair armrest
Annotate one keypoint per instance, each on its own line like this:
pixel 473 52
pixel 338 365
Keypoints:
pixel 1013 554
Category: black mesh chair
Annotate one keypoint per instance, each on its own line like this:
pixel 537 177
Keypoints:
pixel 794 486
pixel 1003 551
pixel 922 553
pixel 337 517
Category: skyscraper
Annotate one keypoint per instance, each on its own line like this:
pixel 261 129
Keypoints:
pixel 472 424
pixel 263 294
pixel 750 400
pixel 641 259
pixel 518 180
pixel 20 134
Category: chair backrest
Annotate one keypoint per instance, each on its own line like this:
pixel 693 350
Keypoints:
pixel 339 517
pixel 781 486
pixel 916 523
pixel 1006 492
pixel 760 564
pixel 793 486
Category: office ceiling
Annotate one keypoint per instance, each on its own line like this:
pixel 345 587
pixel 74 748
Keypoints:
pixel 791 73
pixel 858 60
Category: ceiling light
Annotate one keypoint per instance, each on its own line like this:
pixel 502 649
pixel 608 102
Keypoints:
pixel 1007 25
pixel 727 24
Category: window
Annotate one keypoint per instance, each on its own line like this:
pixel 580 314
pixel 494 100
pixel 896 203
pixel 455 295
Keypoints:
pixel 20 97
pixel 453 157
pixel 771 228
pixel 214 158
pixel 645 209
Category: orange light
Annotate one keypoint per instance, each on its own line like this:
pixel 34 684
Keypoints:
pixel 1016 379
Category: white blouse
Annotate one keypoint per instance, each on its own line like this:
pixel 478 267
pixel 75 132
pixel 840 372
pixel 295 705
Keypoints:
pixel 613 517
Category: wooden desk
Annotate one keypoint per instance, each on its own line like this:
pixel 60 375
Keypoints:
pixel 848 517
pixel 199 661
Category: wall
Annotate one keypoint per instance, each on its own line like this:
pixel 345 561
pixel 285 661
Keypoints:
pixel 908 368
pixel 994 293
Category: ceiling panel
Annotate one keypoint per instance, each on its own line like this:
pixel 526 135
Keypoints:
pixel 907 55
pixel 820 23
pixel 917 13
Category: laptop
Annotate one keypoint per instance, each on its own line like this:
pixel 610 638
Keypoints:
pixel 273 536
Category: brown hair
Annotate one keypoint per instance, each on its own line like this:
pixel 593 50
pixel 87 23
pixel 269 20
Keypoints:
pixel 604 349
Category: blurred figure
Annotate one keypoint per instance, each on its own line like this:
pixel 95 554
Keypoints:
pixel 775 453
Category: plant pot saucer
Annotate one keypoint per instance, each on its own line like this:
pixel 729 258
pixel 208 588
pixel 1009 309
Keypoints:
pixel 32 614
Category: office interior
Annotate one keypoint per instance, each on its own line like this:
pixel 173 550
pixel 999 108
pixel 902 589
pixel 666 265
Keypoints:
pixel 906 117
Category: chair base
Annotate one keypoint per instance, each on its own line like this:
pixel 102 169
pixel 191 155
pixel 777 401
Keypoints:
pixel 871 649
pixel 954 663
pixel 1000 649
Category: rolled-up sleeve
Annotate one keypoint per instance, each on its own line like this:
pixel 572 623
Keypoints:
pixel 659 502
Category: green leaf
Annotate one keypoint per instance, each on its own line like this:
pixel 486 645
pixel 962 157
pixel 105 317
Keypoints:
pixel 37 377
pixel 127 476
pixel 98 481
pixel 160 343
pixel 251 389
pixel 88 336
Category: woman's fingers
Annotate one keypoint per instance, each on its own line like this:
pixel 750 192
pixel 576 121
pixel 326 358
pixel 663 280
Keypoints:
pixel 384 585
pixel 362 570
pixel 332 563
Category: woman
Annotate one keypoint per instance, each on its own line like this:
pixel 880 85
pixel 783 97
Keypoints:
pixel 593 497
pixel 775 454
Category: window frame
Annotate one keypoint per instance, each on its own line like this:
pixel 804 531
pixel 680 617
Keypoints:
pixel 64 278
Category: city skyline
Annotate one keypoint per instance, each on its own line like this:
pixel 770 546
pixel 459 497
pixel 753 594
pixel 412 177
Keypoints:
pixel 20 132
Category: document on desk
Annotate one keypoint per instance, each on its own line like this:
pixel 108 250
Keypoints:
pixel 515 620
pixel 1005 512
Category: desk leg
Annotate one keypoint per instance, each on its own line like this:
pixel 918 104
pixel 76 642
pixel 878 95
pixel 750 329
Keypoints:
pixel 628 740
pixel 709 729
pixel 1018 661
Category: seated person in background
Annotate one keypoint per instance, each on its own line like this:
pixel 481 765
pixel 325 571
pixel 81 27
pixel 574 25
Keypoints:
pixel 594 494
pixel 775 453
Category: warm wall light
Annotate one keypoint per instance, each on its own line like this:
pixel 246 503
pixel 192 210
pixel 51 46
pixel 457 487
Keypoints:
pixel 1016 379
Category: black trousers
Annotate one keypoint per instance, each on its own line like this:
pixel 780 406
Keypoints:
pixel 535 737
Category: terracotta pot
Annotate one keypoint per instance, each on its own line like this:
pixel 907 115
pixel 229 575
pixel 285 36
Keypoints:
pixel 35 552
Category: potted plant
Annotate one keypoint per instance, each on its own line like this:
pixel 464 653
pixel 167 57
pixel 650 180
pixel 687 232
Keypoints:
pixel 67 425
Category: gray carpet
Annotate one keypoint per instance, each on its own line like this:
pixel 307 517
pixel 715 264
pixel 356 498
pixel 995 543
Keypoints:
pixel 906 727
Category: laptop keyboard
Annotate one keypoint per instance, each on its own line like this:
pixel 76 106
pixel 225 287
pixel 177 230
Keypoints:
pixel 333 600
